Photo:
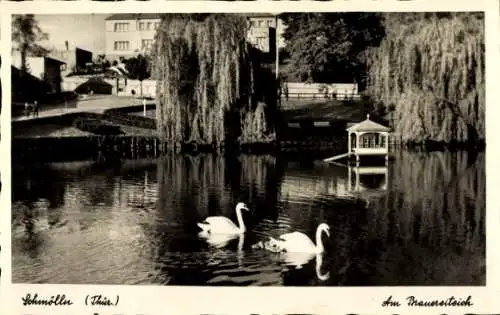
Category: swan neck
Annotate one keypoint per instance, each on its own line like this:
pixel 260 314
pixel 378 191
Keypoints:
pixel 319 243
pixel 319 263
pixel 241 224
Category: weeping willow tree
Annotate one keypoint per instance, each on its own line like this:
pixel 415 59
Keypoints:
pixel 206 88
pixel 428 73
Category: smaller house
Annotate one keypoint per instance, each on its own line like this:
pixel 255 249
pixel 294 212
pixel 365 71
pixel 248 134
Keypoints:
pixel 368 138
pixel 76 59
pixel 46 69
pixel 52 73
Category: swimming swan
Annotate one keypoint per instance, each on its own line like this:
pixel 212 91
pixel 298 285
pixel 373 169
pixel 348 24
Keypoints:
pixel 299 242
pixel 222 225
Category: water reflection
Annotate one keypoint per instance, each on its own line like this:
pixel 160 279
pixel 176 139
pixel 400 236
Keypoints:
pixel 420 221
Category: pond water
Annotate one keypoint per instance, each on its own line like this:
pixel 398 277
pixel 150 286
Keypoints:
pixel 418 221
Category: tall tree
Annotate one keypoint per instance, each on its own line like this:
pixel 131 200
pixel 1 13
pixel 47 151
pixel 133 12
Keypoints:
pixel 138 68
pixel 330 47
pixel 206 82
pixel 428 74
pixel 26 35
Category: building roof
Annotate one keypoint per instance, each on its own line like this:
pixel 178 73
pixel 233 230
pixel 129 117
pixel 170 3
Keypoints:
pixel 55 59
pixel 368 125
pixel 157 16
pixel 258 15
pixel 133 16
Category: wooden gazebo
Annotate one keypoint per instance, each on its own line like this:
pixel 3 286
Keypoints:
pixel 368 138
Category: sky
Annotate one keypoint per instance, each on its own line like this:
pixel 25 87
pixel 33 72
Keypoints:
pixel 86 31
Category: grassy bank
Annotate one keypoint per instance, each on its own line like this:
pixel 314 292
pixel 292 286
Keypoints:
pixel 321 109
pixel 77 125
pixel 56 131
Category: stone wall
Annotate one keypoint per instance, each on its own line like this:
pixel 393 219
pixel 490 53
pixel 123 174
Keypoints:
pixel 341 91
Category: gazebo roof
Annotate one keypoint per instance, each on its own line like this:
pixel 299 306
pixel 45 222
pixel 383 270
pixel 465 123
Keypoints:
pixel 368 125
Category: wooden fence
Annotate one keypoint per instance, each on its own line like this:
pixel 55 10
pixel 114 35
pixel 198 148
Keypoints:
pixel 339 91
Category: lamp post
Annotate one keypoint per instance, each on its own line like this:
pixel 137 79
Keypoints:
pixel 277 46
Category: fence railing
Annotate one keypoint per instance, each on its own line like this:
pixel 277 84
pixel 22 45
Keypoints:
pixel 318 95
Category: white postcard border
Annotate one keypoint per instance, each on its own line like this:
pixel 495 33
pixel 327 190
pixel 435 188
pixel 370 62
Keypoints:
pixel 268 300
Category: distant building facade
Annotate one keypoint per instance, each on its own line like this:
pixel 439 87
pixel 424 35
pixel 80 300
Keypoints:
pixel 262 32
pixel 128 35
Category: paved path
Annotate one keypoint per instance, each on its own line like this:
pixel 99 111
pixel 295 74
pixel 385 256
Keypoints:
pixel 95 104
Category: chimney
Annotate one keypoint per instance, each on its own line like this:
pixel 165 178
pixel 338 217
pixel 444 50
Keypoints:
pixel 67 45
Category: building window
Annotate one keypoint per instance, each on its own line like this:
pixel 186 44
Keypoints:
pixel 121 27
pixel 269 23
pixel 142 26
pixel 260 23
pixel 148 26
pixel 146 44
pixel 261 42
pixel 157 25
pixel 252 23
pixel 122 45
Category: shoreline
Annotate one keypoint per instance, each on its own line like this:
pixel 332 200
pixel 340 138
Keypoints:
pixel 67 136
pixel 112 148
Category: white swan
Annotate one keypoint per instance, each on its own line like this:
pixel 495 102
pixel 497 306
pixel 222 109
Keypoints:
pixel 319 263
pixel 299 242
pixel 222 225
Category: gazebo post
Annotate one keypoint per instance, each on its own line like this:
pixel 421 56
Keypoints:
pixel 357 148
pixel 349 143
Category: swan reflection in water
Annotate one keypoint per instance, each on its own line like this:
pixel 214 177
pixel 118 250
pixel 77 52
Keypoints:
pixel 298 260
pixel 220 241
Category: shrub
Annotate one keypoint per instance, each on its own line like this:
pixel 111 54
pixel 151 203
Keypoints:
pixel 96 126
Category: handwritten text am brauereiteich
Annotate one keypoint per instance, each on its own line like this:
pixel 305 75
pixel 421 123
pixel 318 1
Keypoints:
pixel 413 301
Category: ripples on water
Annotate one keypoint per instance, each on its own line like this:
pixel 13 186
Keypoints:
pixel 135 223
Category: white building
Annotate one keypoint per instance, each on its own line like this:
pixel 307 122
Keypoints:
pixel 263 30
pixel 128 35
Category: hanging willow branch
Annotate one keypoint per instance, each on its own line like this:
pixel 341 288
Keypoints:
pixel 429 73
pixel 206 82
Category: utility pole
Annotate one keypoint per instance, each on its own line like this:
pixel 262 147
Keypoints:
pixel 277 59
pixel 277 46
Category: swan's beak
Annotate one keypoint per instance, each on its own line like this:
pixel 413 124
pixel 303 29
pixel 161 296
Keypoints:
pixel 245 208
pixel 327 232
